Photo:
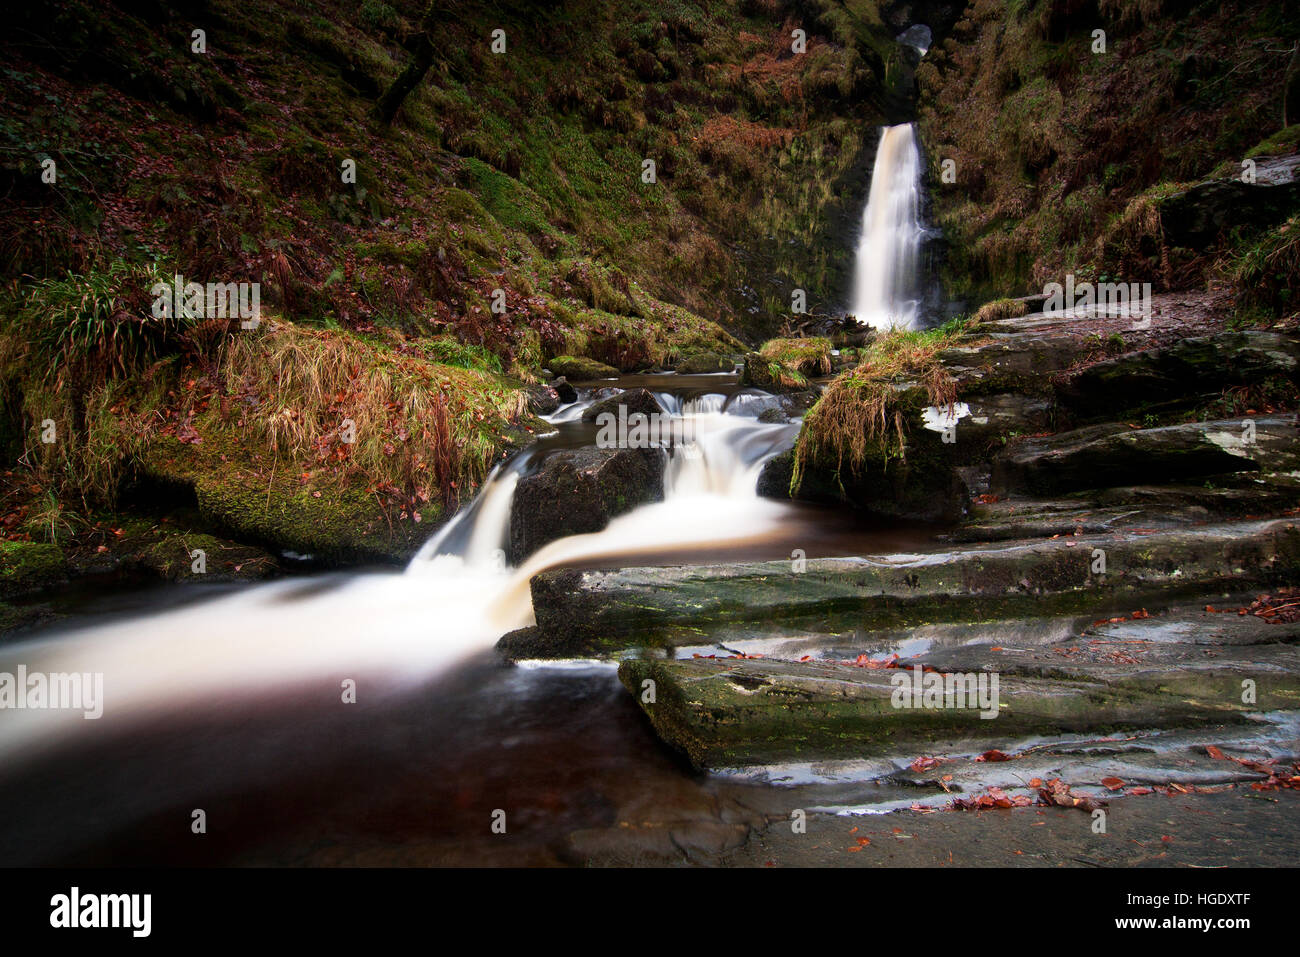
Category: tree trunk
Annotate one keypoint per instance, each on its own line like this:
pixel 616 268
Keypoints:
pixel 388 105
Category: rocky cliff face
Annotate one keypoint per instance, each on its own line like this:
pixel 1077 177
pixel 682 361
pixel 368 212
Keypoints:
pixel 1067 123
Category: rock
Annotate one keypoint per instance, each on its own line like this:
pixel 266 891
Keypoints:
pixel 1185 373
pixel 1111 455
pixel 771 376
pixel 988 419
pixel 602 612
pixel 344 525
pixel 1007 360
pixel 576 492
pixel 172 558
pixel 921 485
pixel 542 400
pixel 27 567
pixel 581 369
pixel 1196 217
pixel 774 416
pixel 634 400
pixel 1133 506
pixel 702 363
pixel 774 479
pixel 733 712
pixel 566 392
pixel 797 403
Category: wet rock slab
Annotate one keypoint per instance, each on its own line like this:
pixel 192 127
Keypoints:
pixel 1112 455
pixel 734 712
pixel 602 612
pixel 1135 507
pixel 1180 373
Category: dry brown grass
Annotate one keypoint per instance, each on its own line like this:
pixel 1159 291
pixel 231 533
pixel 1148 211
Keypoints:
pixel 1001 309
pixel 859 420
pixel 425 428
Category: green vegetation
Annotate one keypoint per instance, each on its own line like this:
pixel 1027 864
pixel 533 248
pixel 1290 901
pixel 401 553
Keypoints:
pixel 1264 271
pixel 1063 154
pixel 859 423
pixel 789 363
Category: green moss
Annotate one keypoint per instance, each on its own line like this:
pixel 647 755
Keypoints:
pixel 29 566
pixel 579 369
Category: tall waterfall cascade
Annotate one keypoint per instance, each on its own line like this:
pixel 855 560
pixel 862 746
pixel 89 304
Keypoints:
pixel 885 284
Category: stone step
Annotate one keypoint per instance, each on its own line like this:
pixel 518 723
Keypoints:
pixel 731 713
pixel 601 612
pixel 1094 511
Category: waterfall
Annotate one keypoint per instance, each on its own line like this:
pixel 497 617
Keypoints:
pixel 386 631
pixel 885 294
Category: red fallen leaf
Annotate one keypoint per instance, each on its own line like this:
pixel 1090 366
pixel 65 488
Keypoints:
pixel 854 830
pixel 1112 784
pixel 855 848
pixel 994 755
pixel 1215 753
pixel 1035 782
pixel 924 764
pixel 863 841
pixel 806 658
pixel 1138 792
pixel 1143 613
pixel 947 777
pixel 1166 838
pixel 996 648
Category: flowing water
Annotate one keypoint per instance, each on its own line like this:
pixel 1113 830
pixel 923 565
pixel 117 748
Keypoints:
pixel 885 285
pixel 241 694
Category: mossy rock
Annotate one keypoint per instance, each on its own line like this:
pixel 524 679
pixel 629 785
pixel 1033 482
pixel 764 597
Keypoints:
pixel 704 363
pixel 334 524
pixel 581 369
pixel 27 567
pixel 331 526
pixel 173 558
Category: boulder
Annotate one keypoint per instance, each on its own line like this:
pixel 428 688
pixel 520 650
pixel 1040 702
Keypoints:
pixel 702 363
pixel 634 400
pixel 1184 373
pixel 581 369
pixel 542 400
pixel 1198 216
pixel 579 491
pixel 566 392
pixel 771 375
pixel 1103 456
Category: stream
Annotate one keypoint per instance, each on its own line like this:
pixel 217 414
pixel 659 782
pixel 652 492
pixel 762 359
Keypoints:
pixel 230 699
